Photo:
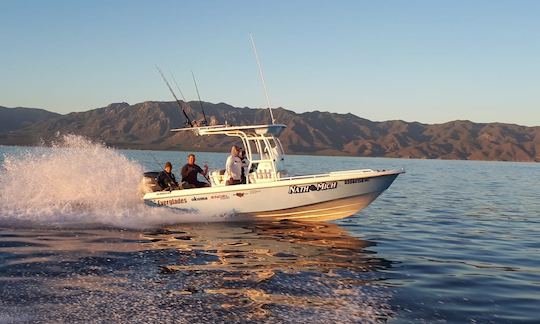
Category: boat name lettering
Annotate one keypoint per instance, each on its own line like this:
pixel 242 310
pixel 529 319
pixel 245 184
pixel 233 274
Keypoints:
pixel 357 180
pixel 199 198
pixel 313 187
pixel 169 202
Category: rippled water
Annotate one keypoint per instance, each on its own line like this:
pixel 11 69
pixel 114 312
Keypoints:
pixel 455 241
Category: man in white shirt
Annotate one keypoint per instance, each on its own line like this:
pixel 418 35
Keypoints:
pixel 233 168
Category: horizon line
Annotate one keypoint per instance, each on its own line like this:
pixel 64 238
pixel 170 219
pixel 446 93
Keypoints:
pixel 261 108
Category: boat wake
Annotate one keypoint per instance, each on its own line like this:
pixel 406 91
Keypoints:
pixel 78 183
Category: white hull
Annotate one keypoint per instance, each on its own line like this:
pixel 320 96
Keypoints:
pixel 308 198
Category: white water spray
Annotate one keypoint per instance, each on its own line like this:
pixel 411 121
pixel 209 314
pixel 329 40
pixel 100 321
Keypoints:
pixel 77 183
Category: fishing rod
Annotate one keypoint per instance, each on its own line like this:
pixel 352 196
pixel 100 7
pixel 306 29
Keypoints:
pixel 178 87
pixel 200 102
pixel 174 95
pixel 207 176
pixel 182 94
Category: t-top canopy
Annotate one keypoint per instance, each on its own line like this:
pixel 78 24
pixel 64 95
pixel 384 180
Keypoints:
pixel 270 130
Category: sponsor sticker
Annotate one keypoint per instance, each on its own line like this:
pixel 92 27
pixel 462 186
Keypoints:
pixel 220 197
pixel 199 198
pixel 357 180
pixel 320 186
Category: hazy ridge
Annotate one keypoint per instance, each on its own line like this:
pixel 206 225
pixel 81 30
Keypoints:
pixel 16 118
pixel 147 126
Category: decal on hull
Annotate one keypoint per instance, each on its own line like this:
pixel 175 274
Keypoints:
pixel 320 186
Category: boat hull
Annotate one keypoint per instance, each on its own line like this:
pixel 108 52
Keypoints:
pixel 316 198
pixel 323 211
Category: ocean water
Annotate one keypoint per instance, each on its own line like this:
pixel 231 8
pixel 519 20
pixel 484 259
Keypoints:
pixel 449 241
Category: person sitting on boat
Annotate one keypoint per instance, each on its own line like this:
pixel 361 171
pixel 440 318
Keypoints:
pixel 245 164
pixel 166 179
pixel 233 167
pixel 189 174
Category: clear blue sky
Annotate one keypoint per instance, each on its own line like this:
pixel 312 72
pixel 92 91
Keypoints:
pixel 427 61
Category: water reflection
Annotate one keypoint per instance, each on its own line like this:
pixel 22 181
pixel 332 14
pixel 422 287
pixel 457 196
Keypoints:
pixel 278 271
pixel 267 247
pixel 260 268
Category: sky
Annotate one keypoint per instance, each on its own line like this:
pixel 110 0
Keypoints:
pixel 425 61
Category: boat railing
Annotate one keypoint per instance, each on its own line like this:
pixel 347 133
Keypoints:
pixel 322 175
pixel 352 171
pixel 262 170
pixel 266 175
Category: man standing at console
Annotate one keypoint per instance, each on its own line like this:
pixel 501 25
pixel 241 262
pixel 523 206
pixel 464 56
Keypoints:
pixel 190 171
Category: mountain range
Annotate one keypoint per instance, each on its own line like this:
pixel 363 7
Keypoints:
pixel 147 125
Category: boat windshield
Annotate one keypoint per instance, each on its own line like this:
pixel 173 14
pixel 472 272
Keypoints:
pixel 263 148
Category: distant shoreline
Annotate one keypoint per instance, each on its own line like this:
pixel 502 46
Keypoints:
pixel 147 125
pixel 286 154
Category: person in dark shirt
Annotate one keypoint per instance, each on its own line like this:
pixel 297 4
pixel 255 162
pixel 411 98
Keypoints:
pixel 190 171
pixel 166 179
pixel 245 164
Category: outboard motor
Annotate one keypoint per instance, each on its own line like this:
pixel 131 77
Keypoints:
pixel 149 182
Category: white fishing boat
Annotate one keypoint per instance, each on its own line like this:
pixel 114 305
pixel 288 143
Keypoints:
pixel 269 192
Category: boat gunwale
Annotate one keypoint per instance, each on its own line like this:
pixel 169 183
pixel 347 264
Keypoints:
pixel 299 180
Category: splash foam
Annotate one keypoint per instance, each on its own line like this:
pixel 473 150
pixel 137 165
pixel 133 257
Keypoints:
pixel 77 183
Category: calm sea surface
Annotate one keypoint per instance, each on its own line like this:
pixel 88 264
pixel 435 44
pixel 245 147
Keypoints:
pixel 449 241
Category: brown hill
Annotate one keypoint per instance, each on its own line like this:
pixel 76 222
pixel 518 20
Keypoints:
pixel 147 126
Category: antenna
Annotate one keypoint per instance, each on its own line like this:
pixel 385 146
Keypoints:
pixel 262 77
